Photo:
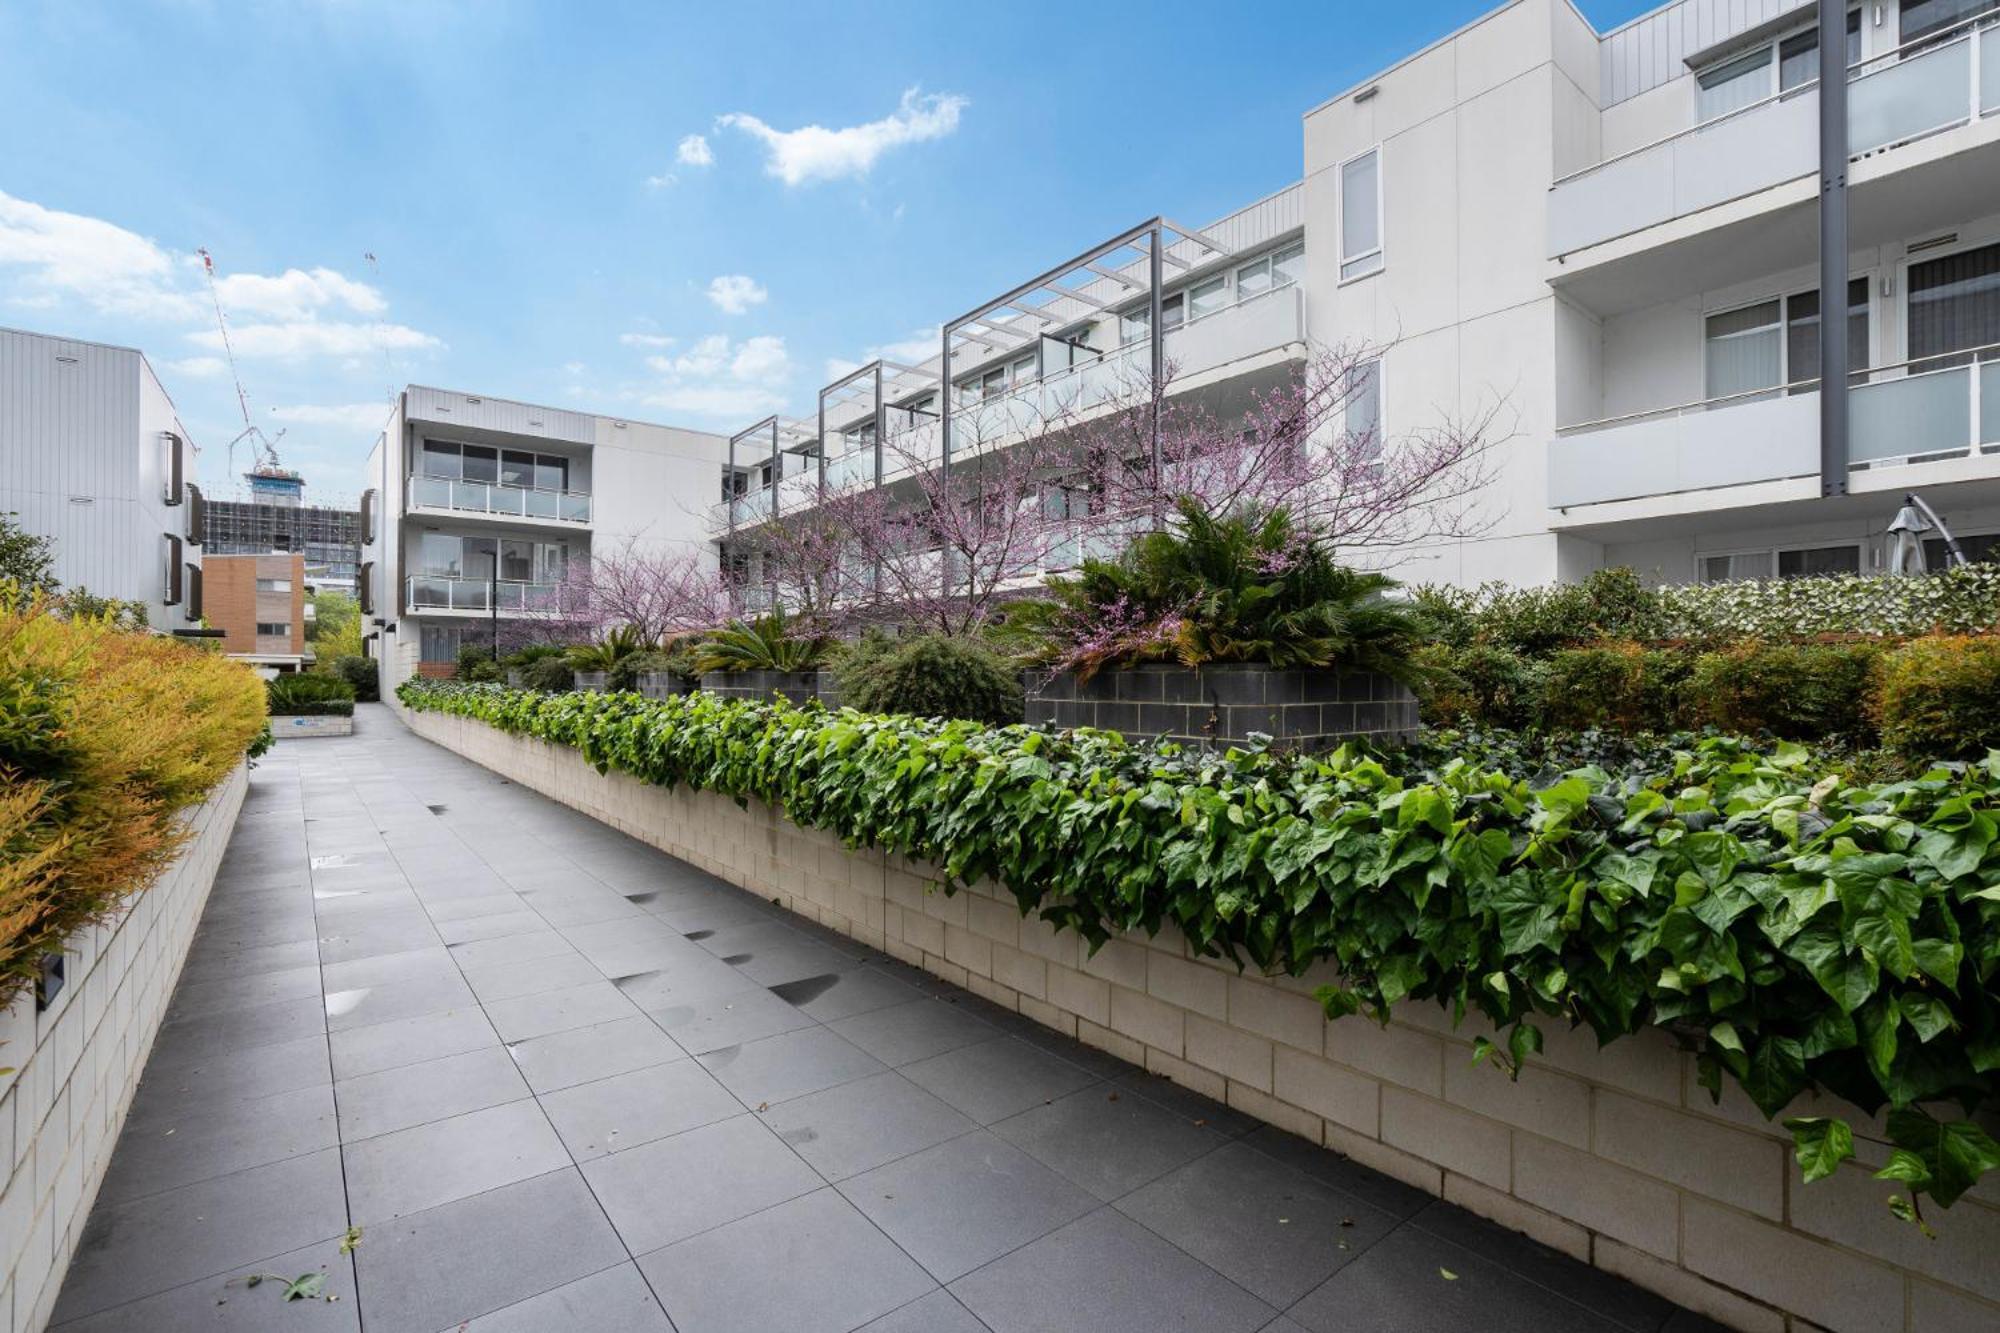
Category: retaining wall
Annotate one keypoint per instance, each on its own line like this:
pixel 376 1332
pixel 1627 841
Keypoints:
pixel 1224 704
pixel 1616 1157
pixel 79 1061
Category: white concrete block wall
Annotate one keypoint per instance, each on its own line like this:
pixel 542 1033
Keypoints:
pixel 1616 1157
pixel 78 1063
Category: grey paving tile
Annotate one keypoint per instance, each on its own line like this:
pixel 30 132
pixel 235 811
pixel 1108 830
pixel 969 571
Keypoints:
pixel 410 1095
pixel 200 1036
pixel 409 1041
pixel 585 908
pixel 791 962
pixel 222 1303
pixel 540 1014
pixel 668 1190
pixel 168 1151
pixel 627 1110
pixel 461 907
pixel 992 1080
pixel 1108 1274
pixel 856 990
pixel 858 1126
pixel 583 1055
pixel 1597 1291
pixel 813 1265
pixel 1205 1112
pixel 966 1202
pixel 652 981
pixel 505 981
pixel 904 1033
pixel 414 1169
pixel 466 929
pixel 169 1086
pixel 789 1065
pixel 1342 1173
pixel 748 937
pixel 728 1020
pixel 216 1226
pixel 344 905
pixel 364 1006
pixel 211 960
pixel 939 1312
pixel 616 1300
pixel 1263 1226
pixel 433 960
pixel 511 949
pixel 1107 1139
pixel 340 940
pixel 439 1267
pixel 1418 1282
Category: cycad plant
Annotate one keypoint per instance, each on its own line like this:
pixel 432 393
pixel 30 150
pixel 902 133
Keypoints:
pixel 1242 587
pixel 620 643
pixel 769 643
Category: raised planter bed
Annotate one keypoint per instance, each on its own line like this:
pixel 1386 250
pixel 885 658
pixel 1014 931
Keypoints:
pixel 665 684
pixel 298 726
pixel 797 686
pixel 1308 709
pixel 593 682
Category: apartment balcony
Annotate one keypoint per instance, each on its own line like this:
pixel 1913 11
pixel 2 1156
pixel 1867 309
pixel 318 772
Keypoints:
pixel 442 495
pixel 1909 425
pixel 447 594
pixel 1736 195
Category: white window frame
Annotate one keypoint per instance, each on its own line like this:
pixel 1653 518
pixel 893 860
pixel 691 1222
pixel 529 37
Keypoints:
pixel 274 585
pixel 1770 561
pixel 1969 239
pixel 1381 251
pixel 1381 364
pixel 1784 299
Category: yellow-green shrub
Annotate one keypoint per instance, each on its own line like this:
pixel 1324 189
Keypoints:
pixel 1620 685
pixel 1797 691
pixel 1939 697
pixel 104 734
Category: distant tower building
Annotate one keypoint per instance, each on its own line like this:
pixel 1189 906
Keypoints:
pixel 277 518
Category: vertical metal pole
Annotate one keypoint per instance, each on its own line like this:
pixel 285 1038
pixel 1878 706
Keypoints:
pixel 729 489
pixel 881 423
pixel 777 469
pixel 1157 265
pixel 945 387
pixel 1833 367
pixel 493 602
pixel 822 445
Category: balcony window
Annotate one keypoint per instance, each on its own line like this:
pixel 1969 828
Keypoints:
pixel 1133 323
pixel 551 472
pixel 1254 278
pixel 1980 548
pixel 1954 307
pixel 1364 408
pixel 1361 215
pixel 1736 565
pixel 1802 333
pixel 274 585
pixel 1744 350
pixel 273 629
pixel 1205 298
pixel 1023 370
pixel 480 463
pixel 1741 81
pixel 517 468
pixel 1921 18
pixel 1798 55
pixel 441 460
pixel 1288 265
pixel 439 643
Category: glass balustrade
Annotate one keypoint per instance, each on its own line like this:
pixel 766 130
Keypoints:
pixel 1989 395
pixel 1915 95
pixel 1930 413
pixel 449 592
pixel 485 497
pixel 1989 70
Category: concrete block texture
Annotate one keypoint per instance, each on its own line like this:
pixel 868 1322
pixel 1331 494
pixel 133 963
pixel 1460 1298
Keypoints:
pixel 1599 1154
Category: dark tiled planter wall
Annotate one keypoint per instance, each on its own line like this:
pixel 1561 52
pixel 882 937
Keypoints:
pixel 592 682
pixel 1308 709
pixel 665 684
pixel 797 686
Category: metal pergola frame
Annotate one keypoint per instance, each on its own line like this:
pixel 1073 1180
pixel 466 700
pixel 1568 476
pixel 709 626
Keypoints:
pixel 781 429
pixel 880 374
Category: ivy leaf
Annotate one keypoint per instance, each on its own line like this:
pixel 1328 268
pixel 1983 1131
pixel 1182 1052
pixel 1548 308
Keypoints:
pixel 1887 940
pixel 1821 1144
pixel 1952 1154
pixel 305 1286
pixel 1775 1074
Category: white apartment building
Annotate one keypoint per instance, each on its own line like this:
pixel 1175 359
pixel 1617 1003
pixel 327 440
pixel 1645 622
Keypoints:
pixel 479 508
pixel 93 456
pixel 1610 237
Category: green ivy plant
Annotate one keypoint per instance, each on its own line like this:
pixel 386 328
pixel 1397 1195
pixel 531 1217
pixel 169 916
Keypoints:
pixel 1798 933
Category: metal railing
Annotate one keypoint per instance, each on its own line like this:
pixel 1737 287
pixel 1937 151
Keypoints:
pixel 451 592
pixel 498 498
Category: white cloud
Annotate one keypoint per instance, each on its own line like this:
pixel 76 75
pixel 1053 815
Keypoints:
pixel 67 256
pixel 735 293
pixel 651 341
pixel 914 350
pixel 301 339
pixel 693 151
pixel 722 379
pixel 295 294
pixel 197 367
pixel 359 417
pixel 661 181
pixel 816 153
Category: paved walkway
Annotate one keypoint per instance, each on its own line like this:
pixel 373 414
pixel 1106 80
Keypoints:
pixel 562 1081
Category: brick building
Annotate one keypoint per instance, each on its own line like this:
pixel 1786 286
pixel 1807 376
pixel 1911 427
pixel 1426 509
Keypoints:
pixel 258 602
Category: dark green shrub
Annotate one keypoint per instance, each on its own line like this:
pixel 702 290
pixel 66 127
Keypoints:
pixel 1609 604
pixel 549 673
pixel 1939 697
pixel 605 655
pixel 935 675
pixel 533 652
pixel 625 675
pixel 475 663
pixel 1796 691
pixel 303 695
pixel 1478 685
pixel 770 643
pixel 1620 685
pixel 361 673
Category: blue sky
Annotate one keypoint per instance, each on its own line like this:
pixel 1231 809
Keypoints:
pixel 506 197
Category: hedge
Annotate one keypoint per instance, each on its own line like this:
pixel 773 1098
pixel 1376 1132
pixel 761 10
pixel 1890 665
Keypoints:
pixel 301 695
pixel 104 734
pixel 1941 696
pixel 1796 932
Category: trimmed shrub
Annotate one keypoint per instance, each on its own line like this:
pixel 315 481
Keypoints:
pixel 1799 932
pixel 362 674
pixel 104 735
pixel 303 695
pixel 935 675
pixel 553 674
pixel 1624 686
pixel 1939 697
pixel 1478 685
pixel 1797 691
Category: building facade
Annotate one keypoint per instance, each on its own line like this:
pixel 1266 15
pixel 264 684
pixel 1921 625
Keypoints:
pixel 93 456
pixel 326 537
pixel 483 510
pixel 259 604
pixel 1605 245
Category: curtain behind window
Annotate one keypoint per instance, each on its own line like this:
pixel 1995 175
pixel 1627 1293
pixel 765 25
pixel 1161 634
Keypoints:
pixel 1955 306
pixel 1744 350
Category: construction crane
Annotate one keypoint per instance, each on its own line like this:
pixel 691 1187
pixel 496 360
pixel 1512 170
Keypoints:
pixel 263 448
